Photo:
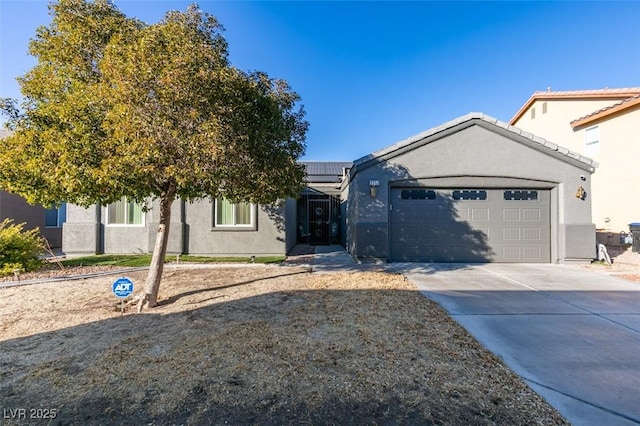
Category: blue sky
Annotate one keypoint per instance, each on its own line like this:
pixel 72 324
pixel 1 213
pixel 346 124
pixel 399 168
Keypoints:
pixel 373 73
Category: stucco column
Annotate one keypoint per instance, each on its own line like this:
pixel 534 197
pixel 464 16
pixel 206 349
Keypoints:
pixel 82 231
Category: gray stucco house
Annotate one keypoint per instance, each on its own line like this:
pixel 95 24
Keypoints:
pixel 471 190
pixel 215 227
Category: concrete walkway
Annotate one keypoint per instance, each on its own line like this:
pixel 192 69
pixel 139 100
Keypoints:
pixel 334 258
pixel 572 334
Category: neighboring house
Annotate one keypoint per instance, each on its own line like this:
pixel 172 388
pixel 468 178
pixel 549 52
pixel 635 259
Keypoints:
pixel 49 221
pixel 601 124
pixel 471 190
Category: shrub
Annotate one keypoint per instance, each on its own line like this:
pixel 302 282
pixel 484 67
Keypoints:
pixel 19 249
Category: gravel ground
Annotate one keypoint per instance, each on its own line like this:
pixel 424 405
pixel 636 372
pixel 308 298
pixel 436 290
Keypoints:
pixel 251 345
pixel 625 264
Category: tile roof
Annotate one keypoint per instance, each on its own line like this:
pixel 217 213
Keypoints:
pixel 607 111
pixel 469 119
pixel 621 93
pixel 4 133
pixel 626 91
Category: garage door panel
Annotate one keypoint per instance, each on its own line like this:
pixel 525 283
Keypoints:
pixel 511 253
pixel 480 215
pixel 511 234
pixel 417 213
pixel 531 215
pixel 511 215
pixel 531 234
pixel 523 254
pixel 481 225
pixel 473 215
pixel 532 254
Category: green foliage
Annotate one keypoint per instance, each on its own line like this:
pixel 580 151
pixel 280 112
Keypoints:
pixel 58 146
pixel 206 259
pixel 116 107
pixel 19 249
pixel 124 260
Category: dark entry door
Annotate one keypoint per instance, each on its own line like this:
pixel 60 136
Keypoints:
pixel 319 214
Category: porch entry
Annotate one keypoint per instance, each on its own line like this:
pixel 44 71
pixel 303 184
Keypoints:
pixel 319 232
pixel 319 219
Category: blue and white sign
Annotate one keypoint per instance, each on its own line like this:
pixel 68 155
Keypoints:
pixel 122 287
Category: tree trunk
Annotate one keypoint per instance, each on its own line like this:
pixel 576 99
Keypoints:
pixel 152 285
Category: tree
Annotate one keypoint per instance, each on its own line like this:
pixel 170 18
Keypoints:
pixel 118 108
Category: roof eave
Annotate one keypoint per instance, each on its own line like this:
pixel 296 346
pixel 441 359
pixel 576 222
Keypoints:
pixel 538 96
pixel 581 122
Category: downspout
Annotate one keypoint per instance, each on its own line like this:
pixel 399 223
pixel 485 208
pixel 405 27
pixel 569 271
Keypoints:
pixel 99 230
pixel 184 227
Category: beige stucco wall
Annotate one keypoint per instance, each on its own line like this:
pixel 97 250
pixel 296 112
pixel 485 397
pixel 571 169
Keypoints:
pixel 614 185
pixel 554 125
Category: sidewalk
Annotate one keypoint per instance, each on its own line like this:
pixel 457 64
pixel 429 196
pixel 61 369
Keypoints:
pixel 335 258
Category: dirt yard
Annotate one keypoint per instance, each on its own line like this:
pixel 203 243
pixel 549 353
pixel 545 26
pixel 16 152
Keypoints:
pixel 250 345
pixel 625 264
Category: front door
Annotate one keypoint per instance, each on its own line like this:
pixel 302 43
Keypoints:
pixel 319 214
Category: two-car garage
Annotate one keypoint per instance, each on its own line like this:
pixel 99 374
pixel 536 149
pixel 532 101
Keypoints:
pixel 470 225
pixel 471 190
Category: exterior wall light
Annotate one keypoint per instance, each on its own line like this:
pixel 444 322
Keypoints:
pixel 373 187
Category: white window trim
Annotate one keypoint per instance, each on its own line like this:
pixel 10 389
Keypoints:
pixel 124 225
pixel 592 147
pixel 253 226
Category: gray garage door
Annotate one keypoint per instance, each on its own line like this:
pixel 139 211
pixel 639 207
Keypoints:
pixel 470 225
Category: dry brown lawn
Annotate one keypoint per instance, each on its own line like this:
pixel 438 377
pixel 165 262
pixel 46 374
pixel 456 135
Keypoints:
pixel 251 345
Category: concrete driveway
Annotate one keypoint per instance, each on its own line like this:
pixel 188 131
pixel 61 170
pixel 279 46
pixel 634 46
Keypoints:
pixel 572 334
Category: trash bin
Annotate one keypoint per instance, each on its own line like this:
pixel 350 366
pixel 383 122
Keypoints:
pixel 634 227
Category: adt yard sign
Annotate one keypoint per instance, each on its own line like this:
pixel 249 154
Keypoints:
pixel 122 287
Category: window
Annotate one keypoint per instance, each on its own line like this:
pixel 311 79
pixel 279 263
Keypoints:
pixel 418 194
pixel 55 217
pixel 237 215
pixel 520 195
pixel 592 141
pixel 533 113
pixel 125 212
pixel 469 194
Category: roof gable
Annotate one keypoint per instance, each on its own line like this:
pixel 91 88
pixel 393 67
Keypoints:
pixel 613 94
pixel 463 122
